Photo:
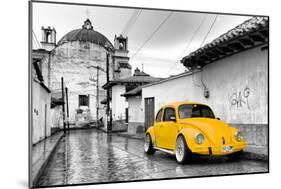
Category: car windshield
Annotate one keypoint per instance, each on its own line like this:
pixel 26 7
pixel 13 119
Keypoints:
pixel 195 110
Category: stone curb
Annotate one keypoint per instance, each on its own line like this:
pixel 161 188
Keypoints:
pixel 44 165
pixel 245 154
pixel 254 156
pixel 129 136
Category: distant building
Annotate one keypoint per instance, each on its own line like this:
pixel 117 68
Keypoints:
pixel 74 58
pixel 230 74
pixel 84 57
pixel 120 114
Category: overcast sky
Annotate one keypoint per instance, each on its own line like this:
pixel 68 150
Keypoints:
pixel 162 53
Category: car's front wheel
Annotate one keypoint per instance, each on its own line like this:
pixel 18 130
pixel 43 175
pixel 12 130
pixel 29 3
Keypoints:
pixel 183 153
pixel 148 145
pixel 234 156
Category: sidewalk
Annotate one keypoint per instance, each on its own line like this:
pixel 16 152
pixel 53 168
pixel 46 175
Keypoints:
pixel 251 152
pixel 139 136
pixel 256 153
pixel 41 153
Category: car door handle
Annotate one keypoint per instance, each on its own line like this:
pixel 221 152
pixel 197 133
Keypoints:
pixel 161 125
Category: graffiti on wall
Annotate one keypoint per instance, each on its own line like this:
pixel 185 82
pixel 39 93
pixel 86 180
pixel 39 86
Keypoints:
pixel 36 111
pixel 240 99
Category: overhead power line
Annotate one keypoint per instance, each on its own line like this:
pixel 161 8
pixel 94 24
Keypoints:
pixel 209 31
pixel 188 44
pixel 152 34
pixel 131 22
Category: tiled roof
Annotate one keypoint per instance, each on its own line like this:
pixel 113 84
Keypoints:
pixel 134 92
pixel 255 29
pixel 38 71
pixel 140 79
pixel 132 79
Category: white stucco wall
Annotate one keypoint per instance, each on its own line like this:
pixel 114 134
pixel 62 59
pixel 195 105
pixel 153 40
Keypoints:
pixel 41 122
pixel 237 84
pixel 119 103
pixel 56 117
pixel 136 112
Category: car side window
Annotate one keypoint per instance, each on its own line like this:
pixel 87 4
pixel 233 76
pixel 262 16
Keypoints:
pixel 168 113
pixel 159 115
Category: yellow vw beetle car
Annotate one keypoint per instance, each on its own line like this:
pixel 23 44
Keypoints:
pixel 184 128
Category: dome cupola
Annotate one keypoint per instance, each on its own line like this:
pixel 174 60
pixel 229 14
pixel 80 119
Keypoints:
pixel 86 34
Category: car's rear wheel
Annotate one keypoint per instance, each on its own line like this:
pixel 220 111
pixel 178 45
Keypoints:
pixel 183 153
pixel 148 145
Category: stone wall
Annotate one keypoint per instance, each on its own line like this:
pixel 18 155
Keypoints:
pixel 135 127
pixel 119 125
pixel 255 134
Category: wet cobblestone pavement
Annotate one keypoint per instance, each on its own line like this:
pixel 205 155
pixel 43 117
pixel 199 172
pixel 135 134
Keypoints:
pixel 91 156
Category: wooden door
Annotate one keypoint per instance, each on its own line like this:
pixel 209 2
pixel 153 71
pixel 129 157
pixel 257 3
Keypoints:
pixel 148 112
pixel 127 115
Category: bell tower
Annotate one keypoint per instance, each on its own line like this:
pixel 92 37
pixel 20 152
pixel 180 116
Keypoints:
pixel 122 68
pixel 121 43
pixel 48 38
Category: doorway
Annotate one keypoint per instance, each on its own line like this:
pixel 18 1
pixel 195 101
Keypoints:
pixel 148 112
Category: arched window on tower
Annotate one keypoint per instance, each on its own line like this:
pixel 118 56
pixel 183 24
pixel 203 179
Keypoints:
pixel 48 37
pixel 121 46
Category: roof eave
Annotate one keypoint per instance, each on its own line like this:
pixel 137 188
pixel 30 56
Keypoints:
pixel 217 50
pixel 126 95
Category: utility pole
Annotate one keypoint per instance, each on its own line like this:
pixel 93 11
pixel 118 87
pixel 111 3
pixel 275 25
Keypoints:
pixel 63 110
pixel 108 95
pixel 98 68
pixel 97 96
pixel 67 112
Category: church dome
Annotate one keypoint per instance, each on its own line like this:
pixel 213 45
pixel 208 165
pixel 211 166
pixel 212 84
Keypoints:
pixel 86 34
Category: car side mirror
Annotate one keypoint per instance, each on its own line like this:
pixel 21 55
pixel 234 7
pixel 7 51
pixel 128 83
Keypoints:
pixel 173 118
pixel 218 118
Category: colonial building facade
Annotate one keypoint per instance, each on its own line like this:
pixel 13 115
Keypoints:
pixel 86 60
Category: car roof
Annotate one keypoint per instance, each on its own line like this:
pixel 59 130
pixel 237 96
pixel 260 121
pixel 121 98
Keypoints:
pixel 176 104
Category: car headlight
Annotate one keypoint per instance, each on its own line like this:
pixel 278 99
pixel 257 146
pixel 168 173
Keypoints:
pixel 199 138
pixel 239 136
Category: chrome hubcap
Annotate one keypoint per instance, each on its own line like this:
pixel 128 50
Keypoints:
pixel 179 149
pixel 146 143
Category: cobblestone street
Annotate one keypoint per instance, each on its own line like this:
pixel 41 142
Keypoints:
pixel 91 156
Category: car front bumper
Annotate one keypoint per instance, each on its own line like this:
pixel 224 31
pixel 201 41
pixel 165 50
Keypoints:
pixel 219 150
